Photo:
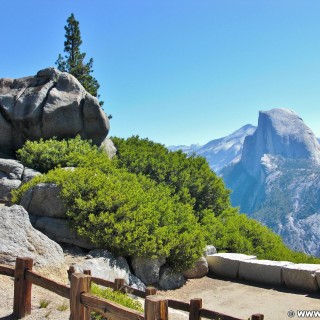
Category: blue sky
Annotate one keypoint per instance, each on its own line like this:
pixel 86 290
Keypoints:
pixel 178 71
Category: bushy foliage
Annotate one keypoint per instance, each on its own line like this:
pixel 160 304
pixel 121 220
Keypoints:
pixel 45 155
pixel 234 232
pixel 127 214
pixel 189 177
pixel 115 296
pixel 167 205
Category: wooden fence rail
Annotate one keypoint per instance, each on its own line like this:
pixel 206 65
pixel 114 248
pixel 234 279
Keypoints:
pixel 82 302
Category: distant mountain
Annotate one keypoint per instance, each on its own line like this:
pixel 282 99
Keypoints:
pixel 220 152
pixel 277 179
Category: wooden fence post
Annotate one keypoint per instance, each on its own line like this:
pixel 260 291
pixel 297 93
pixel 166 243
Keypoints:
pixel 22 288
pixel 156 308
pixel 257 316
pixel 80 283
pixel 150 291
pixel 88 272
pixel 195 306
pixel 71 270
pixel 119 285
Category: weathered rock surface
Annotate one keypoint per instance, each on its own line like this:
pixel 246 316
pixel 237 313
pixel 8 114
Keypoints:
pixel 20 239
pixel 148 270
pixel 108 146
pixel 59 231
pixel 282 151
pixel 226 264
pixel 170 280
pixel 301 276
pixel 199 270
pixel 280 132
pixel 12 168
pixel 52 103
pixel 29 174
pixel 6 186
pixel 12 175
pixel 262 271
pixel 105 265
pixel 43 200
pixel 210 249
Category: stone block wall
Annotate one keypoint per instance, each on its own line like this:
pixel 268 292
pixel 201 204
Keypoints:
pixel 240 266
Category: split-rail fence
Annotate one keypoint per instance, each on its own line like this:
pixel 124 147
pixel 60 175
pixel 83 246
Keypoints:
pixel 82 302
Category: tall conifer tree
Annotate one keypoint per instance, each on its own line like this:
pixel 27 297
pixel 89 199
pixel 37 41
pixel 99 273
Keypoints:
pixel 73 61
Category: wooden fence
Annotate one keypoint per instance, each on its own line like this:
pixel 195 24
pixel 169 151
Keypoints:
pixel 82 302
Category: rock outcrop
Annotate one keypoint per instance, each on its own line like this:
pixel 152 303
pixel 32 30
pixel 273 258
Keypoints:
pixel 49 215
pixel 20 239
pixel 50 104
pixel 43 200
pixel 170 280
pixel 148 270
pixel 59 230
pixel 280 132
pixel 12 175
pixel 103 264
pixel 277 180
pixel 199 270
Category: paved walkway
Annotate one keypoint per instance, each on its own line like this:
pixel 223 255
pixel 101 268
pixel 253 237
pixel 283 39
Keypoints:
pixel 241 299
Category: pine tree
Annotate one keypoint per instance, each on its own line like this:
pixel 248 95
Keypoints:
pixel 73 61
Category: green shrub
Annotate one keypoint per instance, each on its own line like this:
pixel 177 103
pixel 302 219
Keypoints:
pixel 45 155
pixel 43 303
pixel 189 177
pixel 167 205
pixel 117 297
pixel 127 214
pixel 234 232
pixel 63 306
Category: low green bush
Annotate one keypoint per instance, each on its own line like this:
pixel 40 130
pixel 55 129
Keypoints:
pixel 189 177
pixel 116 297
pixel 149 202
pixel 127 214
pixel 45 155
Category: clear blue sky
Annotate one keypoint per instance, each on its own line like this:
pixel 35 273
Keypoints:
pixel 178 71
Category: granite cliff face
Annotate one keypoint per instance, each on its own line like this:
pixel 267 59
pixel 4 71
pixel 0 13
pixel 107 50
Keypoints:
pixel 280 132
pixel 277 179
pixel 50 104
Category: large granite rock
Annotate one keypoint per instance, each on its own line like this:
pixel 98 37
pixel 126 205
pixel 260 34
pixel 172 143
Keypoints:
pixel 50 104
pixel 59 231
pixel 20 239
pixel 108 147
pixel 210 249
pixel 43 200
pixel 301 276
pixel 12 168
pixel 282 151
pixel 12 175
pixel 6 186
pixel 280 132
pixel 105 265
pixel 226 264
pixel 199 270
pixel 170 280
pixel 148 270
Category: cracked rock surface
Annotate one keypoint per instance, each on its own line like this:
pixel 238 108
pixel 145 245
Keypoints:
pixel 49 104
